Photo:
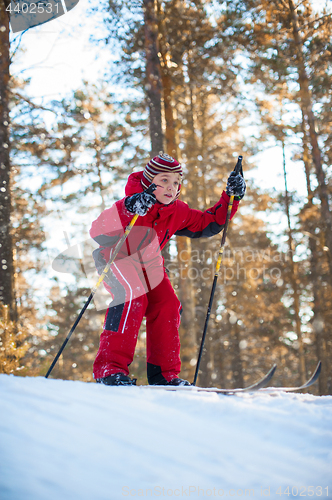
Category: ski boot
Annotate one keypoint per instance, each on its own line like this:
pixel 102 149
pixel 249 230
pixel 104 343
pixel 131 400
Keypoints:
pixel 116 379
pixel 178 381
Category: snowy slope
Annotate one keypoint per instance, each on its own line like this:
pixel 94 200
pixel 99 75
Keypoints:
pixel 65 440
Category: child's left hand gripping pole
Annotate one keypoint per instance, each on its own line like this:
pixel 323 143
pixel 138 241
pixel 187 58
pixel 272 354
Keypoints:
pixel 119 244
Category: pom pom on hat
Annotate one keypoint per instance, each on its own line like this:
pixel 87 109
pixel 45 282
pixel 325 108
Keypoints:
pixel 158 165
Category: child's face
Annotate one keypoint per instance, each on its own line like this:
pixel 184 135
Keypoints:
pixel 167 187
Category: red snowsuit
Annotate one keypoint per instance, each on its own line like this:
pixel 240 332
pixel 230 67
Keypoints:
pixel 139 284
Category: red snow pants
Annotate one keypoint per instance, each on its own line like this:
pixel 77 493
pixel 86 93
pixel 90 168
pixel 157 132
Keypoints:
pixel 134 299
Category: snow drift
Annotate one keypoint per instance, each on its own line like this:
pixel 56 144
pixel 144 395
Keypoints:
pixel 65 440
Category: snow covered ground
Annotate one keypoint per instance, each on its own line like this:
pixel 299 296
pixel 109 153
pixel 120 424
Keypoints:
pixel 65 440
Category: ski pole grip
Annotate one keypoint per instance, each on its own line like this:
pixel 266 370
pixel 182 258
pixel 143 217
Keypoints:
pixel 151 188
pixel 238 166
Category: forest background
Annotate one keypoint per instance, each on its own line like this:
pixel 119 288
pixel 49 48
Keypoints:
pixel 204 81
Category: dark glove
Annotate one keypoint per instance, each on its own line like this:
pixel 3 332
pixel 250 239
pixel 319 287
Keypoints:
pixel 141 202
pixel 236 186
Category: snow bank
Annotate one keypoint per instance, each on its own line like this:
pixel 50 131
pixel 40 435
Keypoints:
pixel 65 440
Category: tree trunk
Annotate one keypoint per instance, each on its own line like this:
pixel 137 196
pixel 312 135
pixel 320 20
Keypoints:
pixel 306 106
pixel 153 76
pixel 294 279
pixel 318 319
pixel 6 250
pixel 185 287
pixel 171 146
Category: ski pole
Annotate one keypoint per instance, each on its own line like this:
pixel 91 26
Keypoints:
pixel 237 170
pixel 101 278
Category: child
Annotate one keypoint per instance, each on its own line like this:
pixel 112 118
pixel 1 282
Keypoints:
pixel 138 282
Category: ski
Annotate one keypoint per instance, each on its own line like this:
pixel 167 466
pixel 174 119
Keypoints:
pixel 257 387
pixel 192 388
pixel 311 381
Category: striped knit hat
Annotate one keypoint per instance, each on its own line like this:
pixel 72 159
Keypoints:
pixel 158 165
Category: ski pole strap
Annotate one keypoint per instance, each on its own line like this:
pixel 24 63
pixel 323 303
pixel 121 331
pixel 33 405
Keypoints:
pixel 115 253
